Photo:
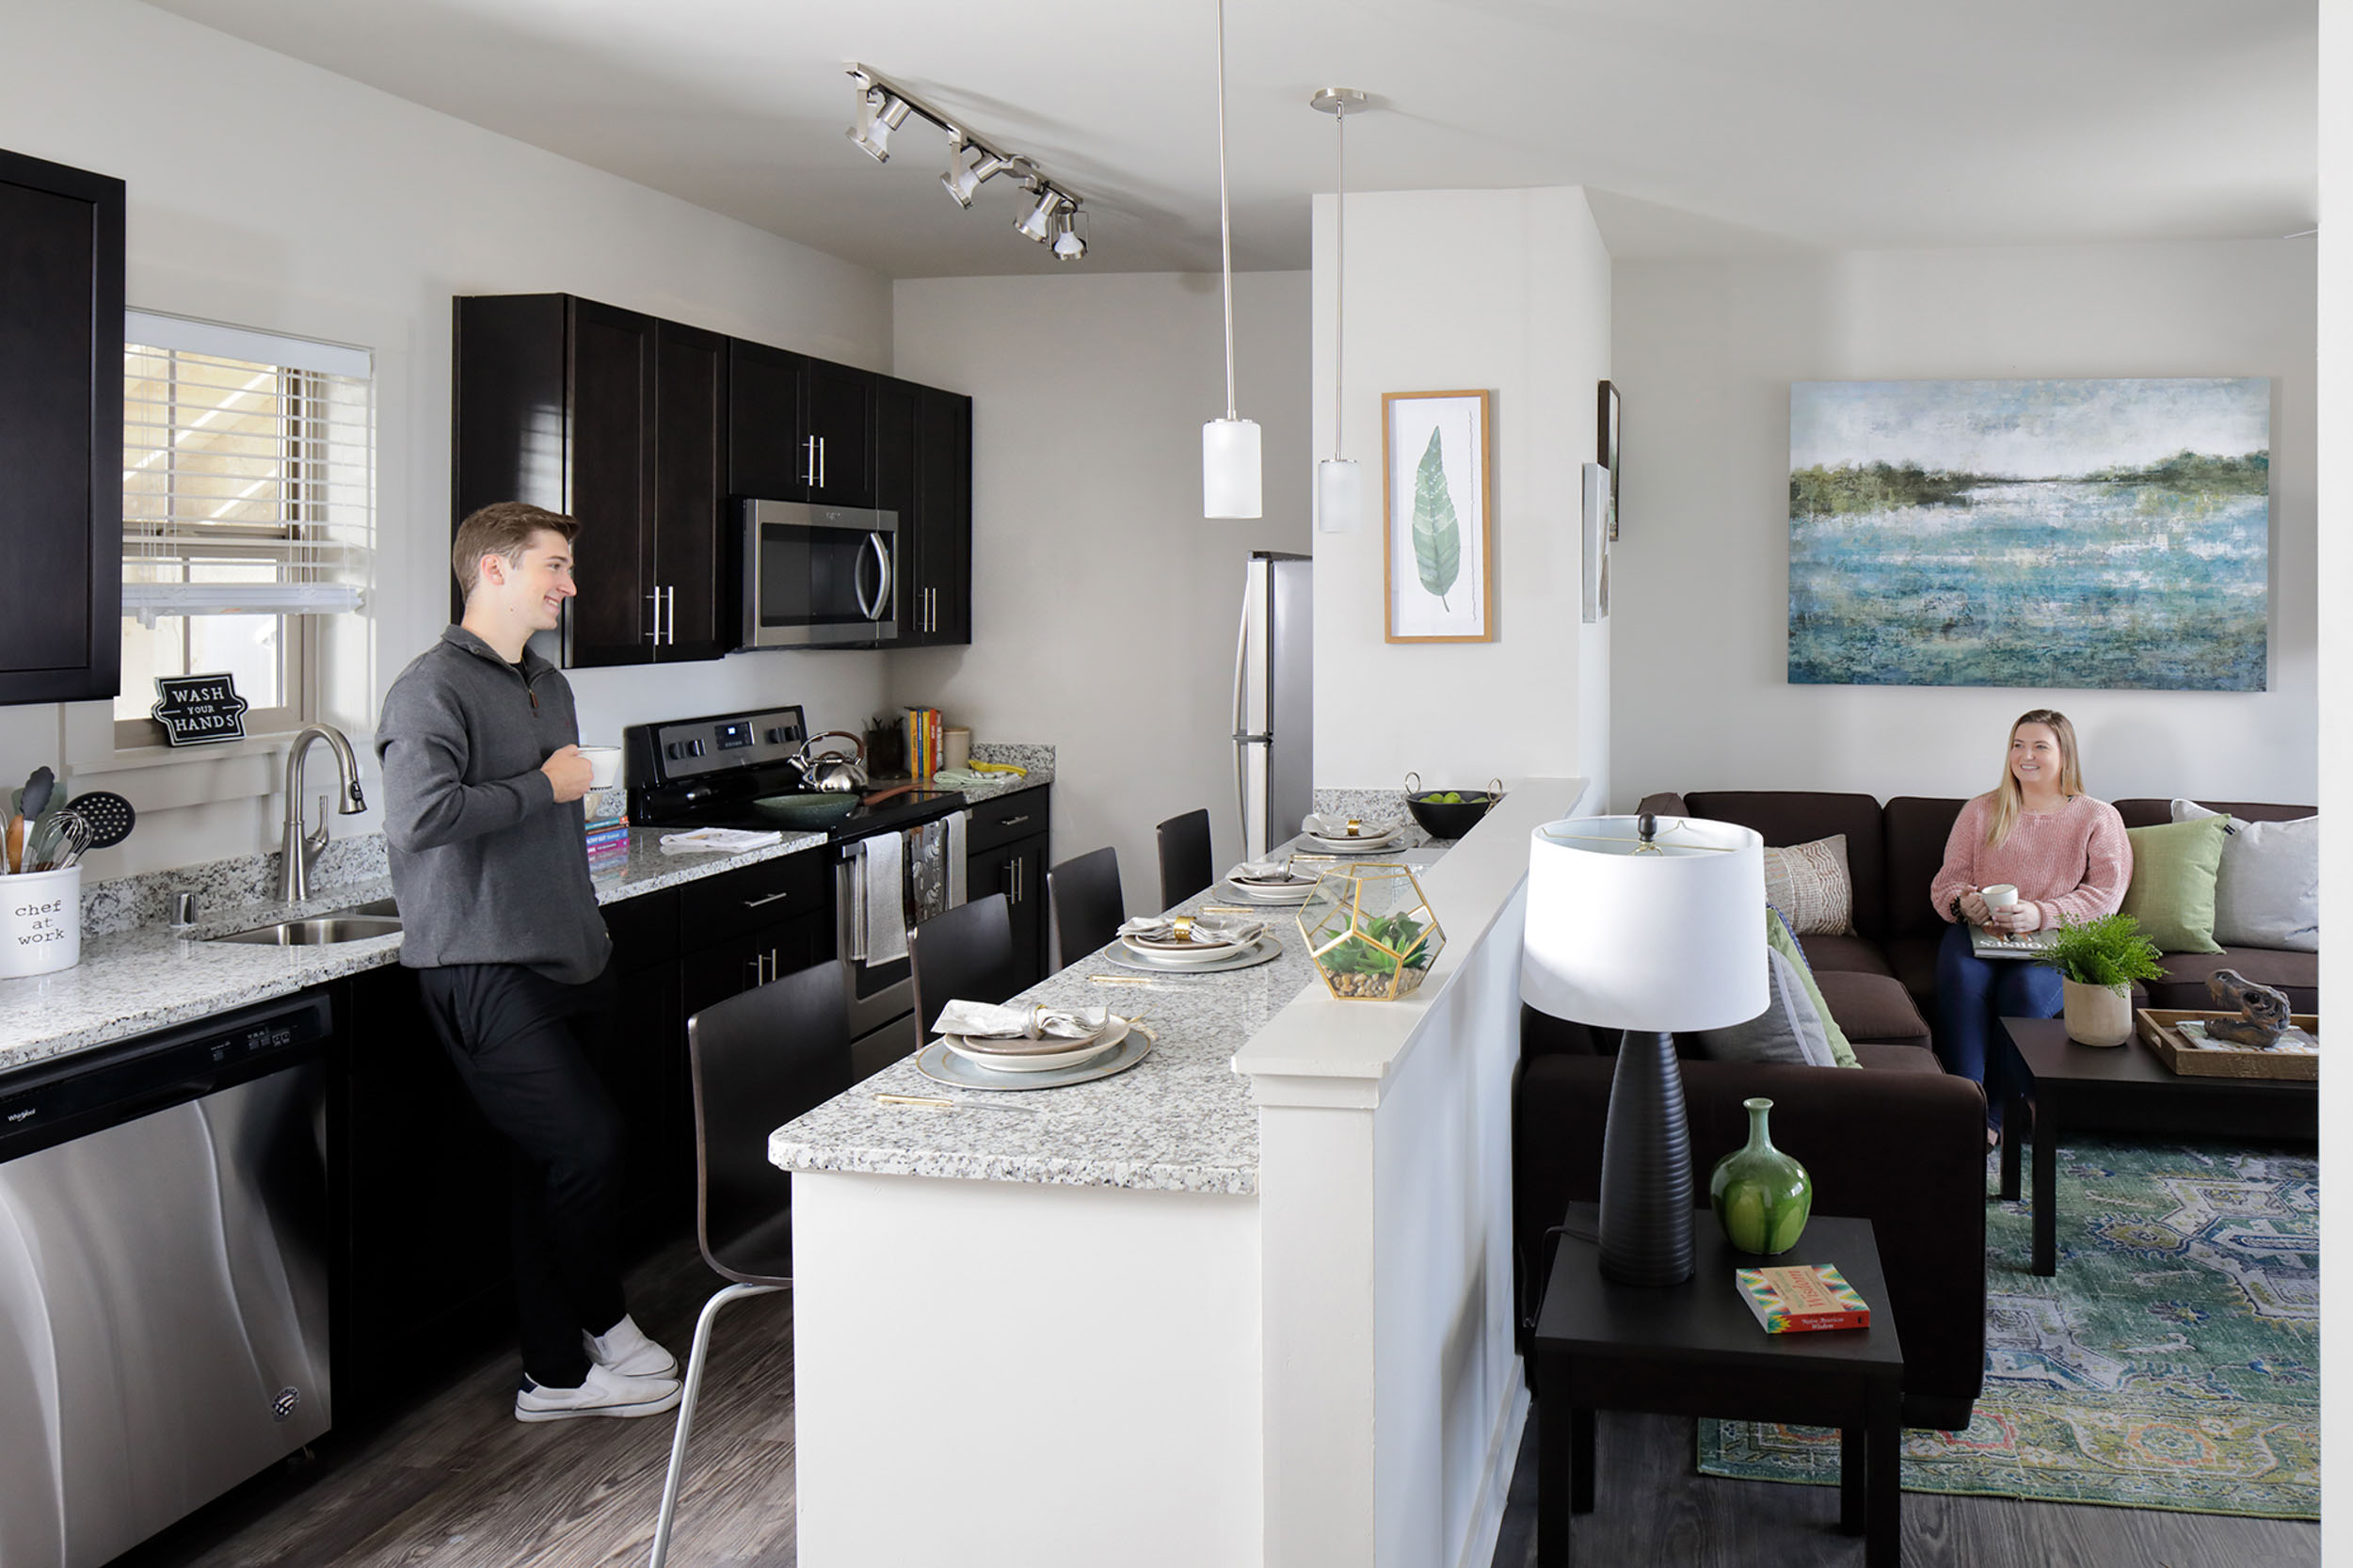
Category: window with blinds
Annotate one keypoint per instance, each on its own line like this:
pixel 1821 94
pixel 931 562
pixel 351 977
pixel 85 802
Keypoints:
pixel 248 511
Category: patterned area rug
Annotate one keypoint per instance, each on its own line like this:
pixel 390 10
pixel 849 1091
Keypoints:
pixel 2173 1362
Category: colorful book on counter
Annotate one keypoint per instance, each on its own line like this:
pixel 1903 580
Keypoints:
pixel 1801 1298
pixel 925 727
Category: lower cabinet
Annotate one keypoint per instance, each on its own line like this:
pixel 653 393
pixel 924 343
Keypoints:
pixel 1006 851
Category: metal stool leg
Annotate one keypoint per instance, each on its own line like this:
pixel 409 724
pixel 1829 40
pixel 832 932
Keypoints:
pixel 694 1362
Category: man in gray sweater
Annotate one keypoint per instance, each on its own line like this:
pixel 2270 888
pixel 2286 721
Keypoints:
pixel 483 780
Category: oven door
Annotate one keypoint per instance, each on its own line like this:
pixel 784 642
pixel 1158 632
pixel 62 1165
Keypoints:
pixel 881 996
pixel 819 576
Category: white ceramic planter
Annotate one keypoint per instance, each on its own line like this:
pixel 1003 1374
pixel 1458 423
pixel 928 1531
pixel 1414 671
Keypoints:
pixel 41 923
pixel 2098 1015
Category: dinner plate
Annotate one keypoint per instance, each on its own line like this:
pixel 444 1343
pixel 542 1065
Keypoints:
pixel 1264 949
pixel 1079 1052
pixel 942 1066
pixel 1192 955
pixel 1368 843
pixel 1206 942
pixel 1270 894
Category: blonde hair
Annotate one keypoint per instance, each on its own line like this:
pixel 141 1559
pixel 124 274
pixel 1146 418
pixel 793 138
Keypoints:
pixel 2008 797
pixel 503 528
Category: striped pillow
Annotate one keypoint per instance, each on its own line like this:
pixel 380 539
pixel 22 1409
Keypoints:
pixel 1809 884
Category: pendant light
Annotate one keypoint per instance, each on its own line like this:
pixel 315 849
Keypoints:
pixel 1340 481
pixel 1230 446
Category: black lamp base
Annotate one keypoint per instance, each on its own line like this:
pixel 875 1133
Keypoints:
pixel 1647 1167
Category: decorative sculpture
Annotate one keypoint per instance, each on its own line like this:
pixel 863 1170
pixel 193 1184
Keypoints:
pixel 2263 1011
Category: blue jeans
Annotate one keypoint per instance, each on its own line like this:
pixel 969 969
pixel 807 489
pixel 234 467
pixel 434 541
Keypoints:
pixel 1972 994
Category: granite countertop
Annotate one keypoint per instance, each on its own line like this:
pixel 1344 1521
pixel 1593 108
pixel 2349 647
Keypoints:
pixel 1180 1120
pixel 150 977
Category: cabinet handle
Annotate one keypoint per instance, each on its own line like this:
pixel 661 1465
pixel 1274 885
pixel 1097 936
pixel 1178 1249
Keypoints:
pixel 809 460
pixel 751 972
pixel 655 600
pixel 1013 822
pixel 756 903
pixel 820 462
pixel 669 615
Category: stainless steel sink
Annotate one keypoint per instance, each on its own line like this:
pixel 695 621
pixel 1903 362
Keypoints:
pixel 351 927
pixel 374 906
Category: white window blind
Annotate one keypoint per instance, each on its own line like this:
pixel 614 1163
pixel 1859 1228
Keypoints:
pixel 248 502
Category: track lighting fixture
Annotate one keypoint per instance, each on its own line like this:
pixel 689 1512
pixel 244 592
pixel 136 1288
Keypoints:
pixel 883 108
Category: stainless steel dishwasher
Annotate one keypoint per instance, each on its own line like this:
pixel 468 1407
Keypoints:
pixel 162 1277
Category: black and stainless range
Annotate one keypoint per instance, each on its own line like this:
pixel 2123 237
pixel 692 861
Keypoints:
pixel 711 772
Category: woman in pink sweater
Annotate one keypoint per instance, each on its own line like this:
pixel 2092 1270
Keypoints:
pixel 2069 858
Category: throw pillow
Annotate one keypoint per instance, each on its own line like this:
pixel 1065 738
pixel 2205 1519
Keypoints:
pixel 1809 884
pixel 2267 893
pixel 1777 937
pixel 1789 1029
pixel 2174 865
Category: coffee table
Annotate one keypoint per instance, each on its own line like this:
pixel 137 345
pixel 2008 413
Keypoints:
pixel 2124 1089
pixel 1695 1349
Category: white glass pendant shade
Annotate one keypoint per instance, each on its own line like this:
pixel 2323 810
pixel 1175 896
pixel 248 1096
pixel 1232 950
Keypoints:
pixel 1230 468
pixel 1339 495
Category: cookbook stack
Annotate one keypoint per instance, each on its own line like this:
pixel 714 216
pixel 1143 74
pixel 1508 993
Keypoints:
pixel 607 828
pixel 925 727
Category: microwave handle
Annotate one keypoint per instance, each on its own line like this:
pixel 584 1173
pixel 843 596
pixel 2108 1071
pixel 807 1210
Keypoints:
pixel 881 605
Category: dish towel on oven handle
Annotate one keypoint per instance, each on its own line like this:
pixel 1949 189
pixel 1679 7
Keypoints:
pixel 882 868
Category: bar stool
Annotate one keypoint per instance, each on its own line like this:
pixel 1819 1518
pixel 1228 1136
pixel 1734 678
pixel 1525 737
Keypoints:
pixel 964 954
pixel 1088 905
pixel 1185 866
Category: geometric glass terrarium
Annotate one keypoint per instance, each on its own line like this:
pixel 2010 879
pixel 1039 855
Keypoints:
pixel 1370 932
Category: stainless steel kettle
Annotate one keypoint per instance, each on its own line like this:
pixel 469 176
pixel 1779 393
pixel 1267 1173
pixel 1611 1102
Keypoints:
pixel 832 769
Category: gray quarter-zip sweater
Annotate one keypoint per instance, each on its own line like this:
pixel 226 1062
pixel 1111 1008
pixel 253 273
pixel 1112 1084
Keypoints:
pixel 487 868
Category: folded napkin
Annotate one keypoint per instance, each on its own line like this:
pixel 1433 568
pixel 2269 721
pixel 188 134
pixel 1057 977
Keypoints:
pixel 960 778
pixel 978 1020
pixel 1336 828
pixel 1208 930
pixel 1277 871
pixel 718 840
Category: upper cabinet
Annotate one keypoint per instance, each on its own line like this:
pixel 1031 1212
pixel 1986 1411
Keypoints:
pixel 61 432
pixel 924 472
pixel 800 429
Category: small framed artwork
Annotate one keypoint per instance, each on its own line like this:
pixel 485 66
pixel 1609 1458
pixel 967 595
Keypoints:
pixel 1437 562
pixel 1606 443
pixel 1596 564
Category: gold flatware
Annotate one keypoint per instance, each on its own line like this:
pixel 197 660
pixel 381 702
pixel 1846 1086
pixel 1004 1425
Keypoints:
pixel 1122 979
pixel 933 1103
pixel 1226 909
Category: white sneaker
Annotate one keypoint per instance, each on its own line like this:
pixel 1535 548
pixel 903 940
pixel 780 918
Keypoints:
pixel 601 1393
pixel 624 1349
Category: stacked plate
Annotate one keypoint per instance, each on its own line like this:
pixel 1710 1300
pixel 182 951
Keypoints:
pixel 1331 835
pixel 1018 1055
pixel 1205 948
pixel 1287 887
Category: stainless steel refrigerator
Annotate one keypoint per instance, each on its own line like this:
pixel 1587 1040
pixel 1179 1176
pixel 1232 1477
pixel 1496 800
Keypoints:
pixel 1273 701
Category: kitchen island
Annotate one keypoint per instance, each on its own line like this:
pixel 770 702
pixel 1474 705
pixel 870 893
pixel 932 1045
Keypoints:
pixel 1162 1319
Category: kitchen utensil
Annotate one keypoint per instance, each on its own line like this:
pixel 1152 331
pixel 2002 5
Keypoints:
pixel 37 792
pixel 885 794
pixel 57 842
pixel 108 816
pixel 943 1104
pixel 807 810
pixel 832 769
pixel 1448 819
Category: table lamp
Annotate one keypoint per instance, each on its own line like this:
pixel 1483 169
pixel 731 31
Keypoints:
pixel 1646 924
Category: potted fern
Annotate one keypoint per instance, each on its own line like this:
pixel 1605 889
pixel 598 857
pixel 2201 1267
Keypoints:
pixel 2099 960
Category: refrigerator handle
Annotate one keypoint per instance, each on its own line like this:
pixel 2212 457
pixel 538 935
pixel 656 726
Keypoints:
pixel 1242 669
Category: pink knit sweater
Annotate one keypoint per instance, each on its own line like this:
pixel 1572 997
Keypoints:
pixel 2075 862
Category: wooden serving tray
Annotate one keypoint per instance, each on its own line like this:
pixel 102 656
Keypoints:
pixel 2156 1025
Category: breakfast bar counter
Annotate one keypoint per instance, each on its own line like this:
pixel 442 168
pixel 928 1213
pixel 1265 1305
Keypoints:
pixel 1160 1319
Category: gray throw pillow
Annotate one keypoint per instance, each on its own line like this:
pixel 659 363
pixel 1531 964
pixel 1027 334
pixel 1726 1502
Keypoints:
pixel 2267 893
pixel 1789 1029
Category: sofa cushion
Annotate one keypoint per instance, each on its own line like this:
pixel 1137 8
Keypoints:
pixel 1777 937
pixel 1789 1029
pixel 1917 828
pixel 1847 955
pixel 1914 959
pixel 2267 893
pixel 2185 975
pixel 1786 817
pixel 1810 885
pixel 1899 1059
pixel 2174 866
pixel 2147 811
pixel 1872 1007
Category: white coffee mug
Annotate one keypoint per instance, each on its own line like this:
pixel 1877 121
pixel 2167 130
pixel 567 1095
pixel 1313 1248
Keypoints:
pixel 2002 895
pixel 604 766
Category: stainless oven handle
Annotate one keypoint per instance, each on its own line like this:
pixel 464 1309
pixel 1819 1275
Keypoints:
pixel 854 868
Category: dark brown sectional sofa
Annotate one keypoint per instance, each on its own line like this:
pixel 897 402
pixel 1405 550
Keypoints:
pixel 1901 1143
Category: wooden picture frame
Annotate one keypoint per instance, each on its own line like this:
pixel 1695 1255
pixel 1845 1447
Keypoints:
pixel 1437 584
pixel 1606 448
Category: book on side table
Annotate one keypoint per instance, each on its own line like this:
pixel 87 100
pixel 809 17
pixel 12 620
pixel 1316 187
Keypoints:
pixel 1803 1298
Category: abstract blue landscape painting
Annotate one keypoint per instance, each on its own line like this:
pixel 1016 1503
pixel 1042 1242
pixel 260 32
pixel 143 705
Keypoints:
pixel 2034 534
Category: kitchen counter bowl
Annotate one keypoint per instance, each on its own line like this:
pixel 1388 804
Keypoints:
pixel 808 810
pixel 1443 819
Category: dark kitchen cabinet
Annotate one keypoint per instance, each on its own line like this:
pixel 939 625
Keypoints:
pixel 799 428
pixel 744 928
pixel 1007 845
pixel 924 472
pixel 60 431
pixel 617 419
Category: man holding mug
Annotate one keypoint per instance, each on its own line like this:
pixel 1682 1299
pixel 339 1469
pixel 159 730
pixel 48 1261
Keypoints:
pixel 483 780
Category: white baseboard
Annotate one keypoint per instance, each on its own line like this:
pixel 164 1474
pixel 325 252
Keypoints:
pixel 1503 1454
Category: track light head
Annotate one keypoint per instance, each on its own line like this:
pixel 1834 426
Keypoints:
pixel 1038 222
pixel 1069 244
pixel 880 111
pixel 962 178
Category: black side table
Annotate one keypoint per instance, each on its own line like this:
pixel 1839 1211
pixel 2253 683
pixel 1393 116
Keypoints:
pixel 1695 1349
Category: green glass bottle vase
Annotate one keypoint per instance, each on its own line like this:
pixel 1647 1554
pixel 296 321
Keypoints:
pixel 1762 1196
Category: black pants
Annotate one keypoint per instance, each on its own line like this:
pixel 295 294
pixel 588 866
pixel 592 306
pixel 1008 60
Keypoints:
pixel 513 1035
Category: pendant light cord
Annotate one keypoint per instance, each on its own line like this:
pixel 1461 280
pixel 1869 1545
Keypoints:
pixel 1340 271
pixel 1225 219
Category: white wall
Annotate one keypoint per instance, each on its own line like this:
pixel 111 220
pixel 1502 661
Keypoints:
pixel 1104 607
pixel 1504 290
pixel 1704 353
pixel 283 196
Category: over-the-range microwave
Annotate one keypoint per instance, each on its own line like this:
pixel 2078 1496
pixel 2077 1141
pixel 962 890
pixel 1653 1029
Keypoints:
pixel 819 576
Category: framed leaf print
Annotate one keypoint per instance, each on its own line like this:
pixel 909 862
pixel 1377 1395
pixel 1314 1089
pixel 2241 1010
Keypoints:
pixel 1437 561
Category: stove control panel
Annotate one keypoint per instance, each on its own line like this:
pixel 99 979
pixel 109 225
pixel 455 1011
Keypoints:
pixel 725 742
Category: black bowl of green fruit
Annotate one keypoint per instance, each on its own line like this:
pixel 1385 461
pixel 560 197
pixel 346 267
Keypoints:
pixel 1449 813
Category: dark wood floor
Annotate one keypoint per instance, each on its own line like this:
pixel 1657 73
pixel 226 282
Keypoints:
pixel 459 1481
pixel 1653 1508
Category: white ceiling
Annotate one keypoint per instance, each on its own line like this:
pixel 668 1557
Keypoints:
pixel 1699 126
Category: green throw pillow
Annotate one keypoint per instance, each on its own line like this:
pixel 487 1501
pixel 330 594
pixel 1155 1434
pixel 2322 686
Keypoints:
pixel 2174 866
pixel 1777 937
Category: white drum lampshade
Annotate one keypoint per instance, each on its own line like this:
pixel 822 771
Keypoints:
pixel 1650 925
pixel 1230 468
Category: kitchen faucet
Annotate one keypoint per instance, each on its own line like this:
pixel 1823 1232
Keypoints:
pixel 300 849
